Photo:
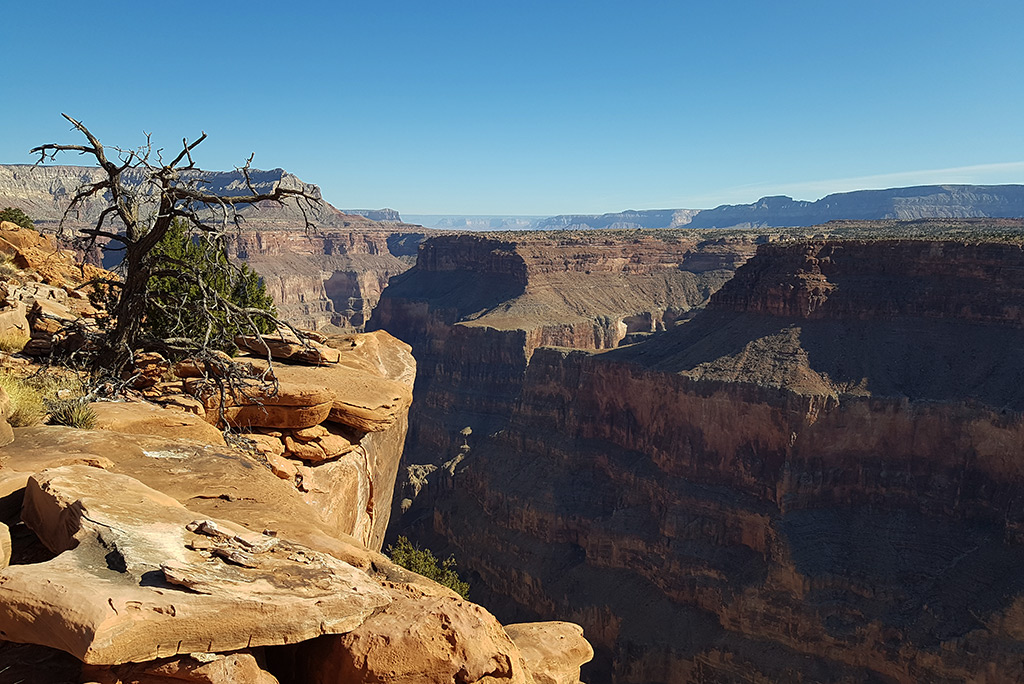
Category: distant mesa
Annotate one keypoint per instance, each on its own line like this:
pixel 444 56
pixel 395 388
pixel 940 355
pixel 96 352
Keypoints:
pixel 904 204
pixel 382 215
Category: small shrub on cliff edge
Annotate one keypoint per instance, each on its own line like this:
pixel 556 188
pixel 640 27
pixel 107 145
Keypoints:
pixel 18 217
pixel 423 562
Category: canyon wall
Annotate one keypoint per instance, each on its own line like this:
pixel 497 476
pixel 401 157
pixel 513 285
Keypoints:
pixel 330 277
pixel 475 308
pixel 817 478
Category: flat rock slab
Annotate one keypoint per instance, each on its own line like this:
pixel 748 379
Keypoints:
pixel 143 418
pixel 215 482
pixel 140 577
pixel 290 348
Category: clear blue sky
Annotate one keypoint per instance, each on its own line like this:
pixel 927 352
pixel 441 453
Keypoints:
pixel 497 107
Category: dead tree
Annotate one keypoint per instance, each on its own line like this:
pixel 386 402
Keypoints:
pixel 146 195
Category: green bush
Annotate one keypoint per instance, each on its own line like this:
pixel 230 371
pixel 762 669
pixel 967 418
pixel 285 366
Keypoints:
pixel 17 216
pixel 423 562
pixel 180 307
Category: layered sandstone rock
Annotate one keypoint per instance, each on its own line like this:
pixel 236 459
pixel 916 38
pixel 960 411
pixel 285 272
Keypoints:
pixel 142 577
pixel 553 651
pixel 417 648
pixel 815 479
pixel 169 583
pixel 199 668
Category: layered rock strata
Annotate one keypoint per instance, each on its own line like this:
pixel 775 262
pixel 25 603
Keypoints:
pixel 474 308
pixel 817 478
pixel 904 204
pixel 332 276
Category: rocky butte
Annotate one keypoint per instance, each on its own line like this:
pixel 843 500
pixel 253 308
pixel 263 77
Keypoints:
pixel 816 477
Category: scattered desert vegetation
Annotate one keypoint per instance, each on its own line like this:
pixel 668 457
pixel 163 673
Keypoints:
pixel 423 562
pixel 35 396
pixel 76 413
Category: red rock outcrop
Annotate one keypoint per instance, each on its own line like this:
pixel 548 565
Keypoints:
pixel 142 577
pixel 816 479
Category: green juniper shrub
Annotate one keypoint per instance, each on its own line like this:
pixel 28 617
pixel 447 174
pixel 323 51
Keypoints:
pixel 17 216
pixel 179 307
pixel 423 562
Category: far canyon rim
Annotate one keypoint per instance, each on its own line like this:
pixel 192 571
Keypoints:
pixel 737 444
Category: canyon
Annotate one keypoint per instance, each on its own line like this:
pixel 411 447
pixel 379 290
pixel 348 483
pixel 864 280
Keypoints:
pixel 903 204
pixel 793 456
pixel 144 545
pixel 770 454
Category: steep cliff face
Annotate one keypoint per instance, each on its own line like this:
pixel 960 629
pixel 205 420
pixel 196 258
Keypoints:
pixel 327 277
pixel 818 478
pixel 475 308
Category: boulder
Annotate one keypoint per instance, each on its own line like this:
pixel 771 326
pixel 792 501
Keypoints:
pixel 15 331
pixel 554 651
pixel 336 444
pixel 309 434
pixel 286 346
pixel 6 432
pixel 198 668
pixel 143 418
pixel 29 250
pixel 284 468
pixel 359 398
pixel 304 451
pixel 284 405
pixel 139 577
pixel 149 369
pixel 265 445
pixel 441 639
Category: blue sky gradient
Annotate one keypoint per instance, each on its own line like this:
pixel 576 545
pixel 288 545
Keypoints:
pixel 537 107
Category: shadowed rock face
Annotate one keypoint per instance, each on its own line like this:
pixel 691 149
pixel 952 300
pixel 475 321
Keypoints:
pixel 475 308
pixel 818 478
